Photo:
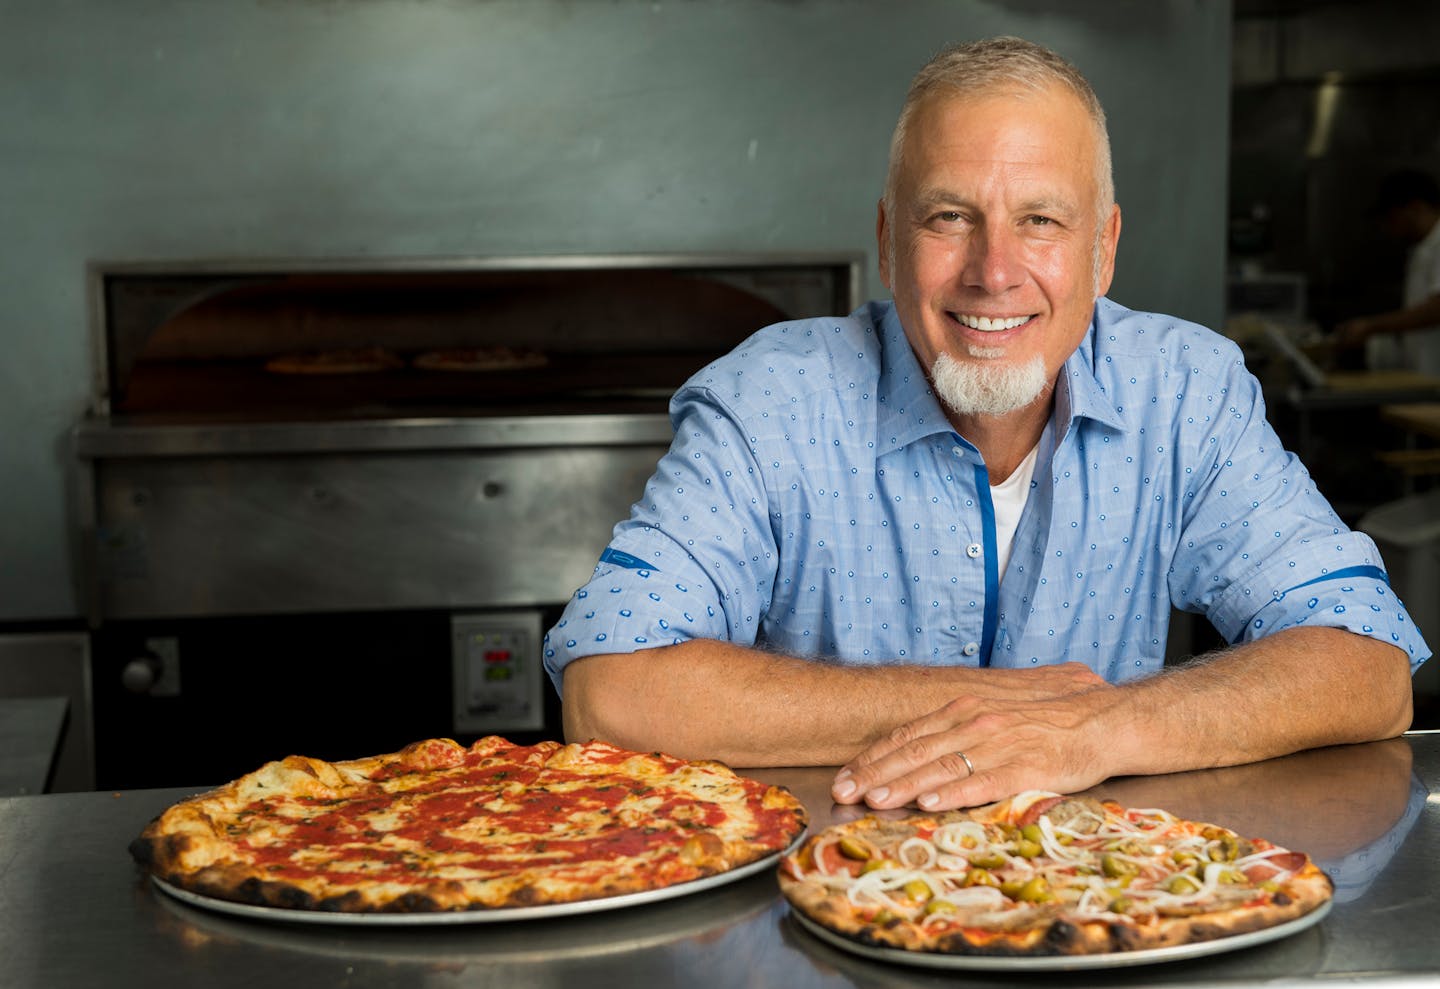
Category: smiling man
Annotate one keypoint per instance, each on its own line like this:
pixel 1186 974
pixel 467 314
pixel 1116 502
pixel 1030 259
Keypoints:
pixel 937 542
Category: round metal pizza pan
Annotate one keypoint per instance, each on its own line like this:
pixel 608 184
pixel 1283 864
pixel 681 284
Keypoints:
pixel 1042 963
pixel 446 917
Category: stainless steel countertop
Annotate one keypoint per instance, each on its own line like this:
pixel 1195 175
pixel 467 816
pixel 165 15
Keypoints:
pixel 76 911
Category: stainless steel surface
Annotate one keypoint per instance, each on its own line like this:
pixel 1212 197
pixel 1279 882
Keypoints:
pixel 55 664
pixel 75 911
pixel 97 439
pixel 206 521
pixel 30 732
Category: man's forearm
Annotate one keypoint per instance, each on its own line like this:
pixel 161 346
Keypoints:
pixel 1297 689
pixel 1420 316
pixel 747 707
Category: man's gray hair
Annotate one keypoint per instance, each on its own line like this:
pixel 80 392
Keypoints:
pixel 980 68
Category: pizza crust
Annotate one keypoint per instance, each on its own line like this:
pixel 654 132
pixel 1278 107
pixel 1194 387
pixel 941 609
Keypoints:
pixel 439 827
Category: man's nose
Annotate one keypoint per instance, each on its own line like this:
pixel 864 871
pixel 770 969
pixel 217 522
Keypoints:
pixel 992 260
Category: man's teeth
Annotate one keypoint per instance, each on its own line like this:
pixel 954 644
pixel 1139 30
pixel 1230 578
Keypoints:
pixel 986 324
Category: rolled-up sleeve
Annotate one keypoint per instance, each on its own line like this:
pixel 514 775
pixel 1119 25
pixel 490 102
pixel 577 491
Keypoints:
pixel 696 558
pixel 1262 550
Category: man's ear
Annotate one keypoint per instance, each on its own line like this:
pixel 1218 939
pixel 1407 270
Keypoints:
pixel 1109 240
pixel 882 242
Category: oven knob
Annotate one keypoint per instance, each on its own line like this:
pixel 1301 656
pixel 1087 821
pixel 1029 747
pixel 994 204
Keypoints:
pixel 142 673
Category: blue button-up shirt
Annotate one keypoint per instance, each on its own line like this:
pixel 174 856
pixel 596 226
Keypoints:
pixel 817 500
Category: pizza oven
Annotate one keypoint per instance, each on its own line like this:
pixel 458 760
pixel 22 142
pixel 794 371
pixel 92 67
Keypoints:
pixel 331 506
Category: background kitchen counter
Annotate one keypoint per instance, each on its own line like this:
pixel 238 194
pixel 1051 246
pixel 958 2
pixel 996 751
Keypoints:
pixel 76 911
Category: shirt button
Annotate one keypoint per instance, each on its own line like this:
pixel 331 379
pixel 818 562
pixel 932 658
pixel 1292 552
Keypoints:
pixel 971 648
pixel 958 451
pixel 974 550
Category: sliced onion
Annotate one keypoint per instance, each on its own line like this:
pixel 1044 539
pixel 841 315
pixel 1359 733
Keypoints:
pixel 917 844
pixel 950 837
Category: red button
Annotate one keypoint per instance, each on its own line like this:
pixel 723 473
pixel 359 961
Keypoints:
pixel 497 655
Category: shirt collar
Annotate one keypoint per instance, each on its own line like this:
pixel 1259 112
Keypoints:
pixel 1079 393
pixel 909 410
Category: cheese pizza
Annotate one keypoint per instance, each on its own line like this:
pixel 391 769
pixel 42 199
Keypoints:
pixel 441 827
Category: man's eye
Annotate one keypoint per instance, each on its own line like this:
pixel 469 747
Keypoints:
pixel 1039 221
pixel 949 216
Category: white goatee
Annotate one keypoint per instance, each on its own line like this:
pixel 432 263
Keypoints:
pixel 979 388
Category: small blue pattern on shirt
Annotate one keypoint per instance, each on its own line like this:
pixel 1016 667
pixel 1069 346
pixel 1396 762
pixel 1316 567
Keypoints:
pixel 816 500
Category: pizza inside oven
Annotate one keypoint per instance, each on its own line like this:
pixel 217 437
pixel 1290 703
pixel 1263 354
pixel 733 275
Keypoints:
pixel 441 827
pixel 1041 874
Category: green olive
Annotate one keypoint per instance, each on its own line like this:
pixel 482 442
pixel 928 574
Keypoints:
pixel 1036 890
pixel 1119 903
pixel 918 890
pixel 988 860
pixel 882 916
pixel 1224 848
pixel 1026 848
pixel 939 906
pixel 852 848
pixel 1012 888
pixel 1033 832
pixel 1116 867
pixel 981 877
pixel 874 864
pixel 1182 884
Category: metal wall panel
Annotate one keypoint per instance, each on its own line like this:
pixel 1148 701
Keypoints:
pixel 209 128
pixel 191 537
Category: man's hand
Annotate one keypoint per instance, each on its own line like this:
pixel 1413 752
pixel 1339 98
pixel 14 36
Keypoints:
pixel 1035 731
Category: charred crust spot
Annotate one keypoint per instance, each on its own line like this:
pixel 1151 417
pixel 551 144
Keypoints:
pixel 1281 899
pixel 142 850
pixel 1123 937
pixel 251 890
pixel 523 897
pixel 1209 932
pixel 351 902
pixel 288 896
pixel 413 903
pixel 173 846
pixel 1062 936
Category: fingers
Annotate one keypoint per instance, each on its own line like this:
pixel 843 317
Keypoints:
pixel 971 752
pixel 938 783
pixel 913 758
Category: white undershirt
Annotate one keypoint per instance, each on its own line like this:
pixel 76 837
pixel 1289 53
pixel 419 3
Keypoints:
pixel 1008 498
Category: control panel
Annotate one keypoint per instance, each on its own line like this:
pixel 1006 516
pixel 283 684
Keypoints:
pixel 498 677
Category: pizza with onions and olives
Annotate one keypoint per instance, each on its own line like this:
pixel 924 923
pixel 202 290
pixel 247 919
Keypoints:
pixel 1041 874
pixel 441 827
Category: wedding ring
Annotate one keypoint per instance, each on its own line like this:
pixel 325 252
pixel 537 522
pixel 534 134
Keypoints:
pixel 968 764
